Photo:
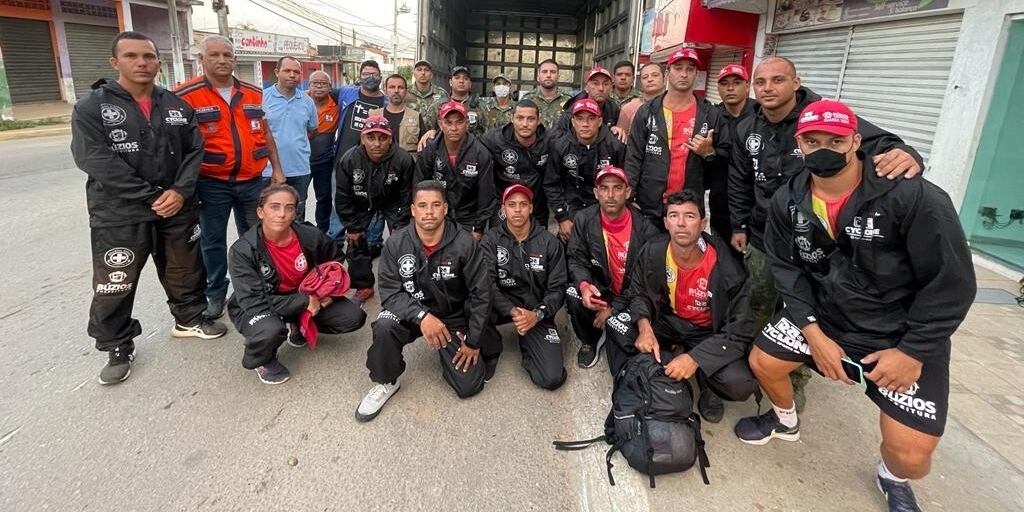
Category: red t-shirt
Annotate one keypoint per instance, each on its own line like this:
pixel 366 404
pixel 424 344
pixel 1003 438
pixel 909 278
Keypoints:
pixel 688 287
pixel 680 131
pixel 828 209
pixel 616 240
pixel 146 106
pixel 451 160
pixel 429 249
pixel 290 263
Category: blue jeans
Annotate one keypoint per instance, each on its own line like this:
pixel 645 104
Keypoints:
pixel 323 191
pixel 217 199
pixel 301 184
pixel 375 231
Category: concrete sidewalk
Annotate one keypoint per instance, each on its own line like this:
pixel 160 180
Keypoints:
pixel 36 111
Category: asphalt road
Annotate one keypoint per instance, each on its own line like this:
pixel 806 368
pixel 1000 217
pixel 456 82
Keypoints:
pixel 192 430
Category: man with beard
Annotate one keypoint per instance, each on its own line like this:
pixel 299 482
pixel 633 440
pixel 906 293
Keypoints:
pixel 606 237
pixel 407 123
pixel 688 309
pixel 463 166
pixel 526 264
pixel 598 87
pixel 673 139
pixel 622 83
pixel 374 180
pixel 520 152
pixel 423 92
pixel 293 118
pixel 575 158
pixel 321 148
pixel 548 98
pixel 652 84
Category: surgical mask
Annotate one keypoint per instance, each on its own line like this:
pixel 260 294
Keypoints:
pixel 825 163
pixel 371 83
pixel 502 90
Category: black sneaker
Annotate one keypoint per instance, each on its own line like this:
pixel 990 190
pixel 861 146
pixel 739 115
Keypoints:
pixel 589 355
pixel 489 370
pixel 214 309
pixel 898 495
pixel 710 406
pixel 206 329
pixel 295 336
pixel 273 372
pixel 118 367
pixel 761 429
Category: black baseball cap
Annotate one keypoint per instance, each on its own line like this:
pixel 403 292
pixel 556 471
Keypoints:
pixel 460 69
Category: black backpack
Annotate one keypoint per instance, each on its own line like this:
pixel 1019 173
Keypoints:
pixel 651 422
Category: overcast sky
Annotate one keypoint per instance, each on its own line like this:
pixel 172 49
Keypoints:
pixel 363 16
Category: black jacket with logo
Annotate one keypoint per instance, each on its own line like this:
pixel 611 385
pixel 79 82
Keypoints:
pixel 514 163
pixel 451 284
pixel 365 187
pixel 469 186
pixel 588 254
pixel 648 155
pixel 130 160
pixel 572 166
pixel 765 155
pixel 899 273
pixel 530 274
pixel 255 278
pixel 609 112
pixel 732 325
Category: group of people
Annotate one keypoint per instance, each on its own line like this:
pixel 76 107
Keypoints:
pixel 821 248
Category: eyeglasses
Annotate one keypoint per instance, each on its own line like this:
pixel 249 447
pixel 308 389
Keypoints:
pixel 370 75
pixel 383 123
pixel 319 84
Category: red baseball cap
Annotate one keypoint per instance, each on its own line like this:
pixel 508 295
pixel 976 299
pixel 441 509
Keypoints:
pixel 685 53
pixel 611 170
pixel 586 105
pixel 514 188
pixel 453 106
pixel 827 116
pixel 598 70
pixel 376 124
pixel 734 69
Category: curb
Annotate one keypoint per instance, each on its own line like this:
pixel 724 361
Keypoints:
pixel 42 131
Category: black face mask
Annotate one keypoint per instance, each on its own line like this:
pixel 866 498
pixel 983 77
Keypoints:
pixel 825 163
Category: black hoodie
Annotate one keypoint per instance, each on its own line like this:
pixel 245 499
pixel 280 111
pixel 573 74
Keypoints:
pixel 469 185
pixel 365 187
pixel 514 163
pixel 572 166
pixel 531 274
pixel 899 273
pixel 765 155
pixel 130 160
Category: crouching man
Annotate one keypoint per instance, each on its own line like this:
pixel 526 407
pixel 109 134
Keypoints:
pixel 688 308
pixel 526 263
pixel 433 283
pixel 876 276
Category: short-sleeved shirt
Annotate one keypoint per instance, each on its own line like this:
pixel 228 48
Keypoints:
pixel 688 292
pixel 354 116
pixel 290 121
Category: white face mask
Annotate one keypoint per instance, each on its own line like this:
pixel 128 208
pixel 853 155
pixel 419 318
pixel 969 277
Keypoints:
pixel 501 90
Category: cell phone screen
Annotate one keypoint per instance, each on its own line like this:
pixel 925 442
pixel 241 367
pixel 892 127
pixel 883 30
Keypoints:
pixel 854 371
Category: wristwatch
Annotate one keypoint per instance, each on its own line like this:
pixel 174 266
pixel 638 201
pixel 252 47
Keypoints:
pixel 541 312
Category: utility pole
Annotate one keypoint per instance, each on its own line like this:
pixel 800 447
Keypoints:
pixel 221 8
pixel 394 35
pixel 176 60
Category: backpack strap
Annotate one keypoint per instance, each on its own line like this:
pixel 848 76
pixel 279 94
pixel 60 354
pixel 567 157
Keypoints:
pixel 571 446
pixel 702 455
pixel 608 461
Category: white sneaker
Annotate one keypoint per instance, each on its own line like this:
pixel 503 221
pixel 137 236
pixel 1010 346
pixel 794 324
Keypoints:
pixel 375 399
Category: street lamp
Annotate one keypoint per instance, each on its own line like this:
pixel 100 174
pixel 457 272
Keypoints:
pixel 404 9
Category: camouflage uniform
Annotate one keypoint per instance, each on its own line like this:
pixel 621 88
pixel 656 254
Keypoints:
pixel 622 101
pixel 420 101
pixel 550 111
pixel 495 116
pixel 475 108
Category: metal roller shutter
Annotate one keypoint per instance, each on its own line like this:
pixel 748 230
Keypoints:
pixel 719 59
pixel 89 52
pixel 246 72
pixel 896 75
pixel 28 60
pixel 818 57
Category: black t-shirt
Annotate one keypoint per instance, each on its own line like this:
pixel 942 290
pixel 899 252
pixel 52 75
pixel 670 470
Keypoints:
pixel 355 116
pixel 395 120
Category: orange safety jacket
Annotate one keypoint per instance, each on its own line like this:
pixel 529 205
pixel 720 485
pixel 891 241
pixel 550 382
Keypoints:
pixel 236 148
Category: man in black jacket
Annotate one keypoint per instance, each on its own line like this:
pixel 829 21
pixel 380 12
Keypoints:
pixel 520 152
pixel 734 89
pixel 464 168
pixel 373 177
pixel 665 155
pixel 141 148
pixel 527 266
pixel 575 158
pixel 688 308
pixel 605 240
pixel 876 276
pixel 433 283
pixel 765 155
pixel 597 87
